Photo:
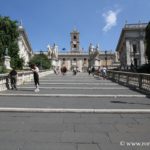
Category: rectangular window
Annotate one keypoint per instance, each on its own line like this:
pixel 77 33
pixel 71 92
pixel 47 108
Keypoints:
pixel 134 48
pixel 74 46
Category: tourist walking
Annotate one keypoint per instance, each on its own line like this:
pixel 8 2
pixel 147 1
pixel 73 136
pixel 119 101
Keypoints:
pixel 35 70
pixel 104 72
pixel 89 70
pixel 63 70
pixel 74 71
pixel 13 79
pixel 93 70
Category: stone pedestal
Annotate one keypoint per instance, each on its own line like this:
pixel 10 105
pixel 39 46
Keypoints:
pixel 54 63
pixel 6 62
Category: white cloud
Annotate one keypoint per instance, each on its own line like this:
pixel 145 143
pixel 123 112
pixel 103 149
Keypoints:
pixel 110 19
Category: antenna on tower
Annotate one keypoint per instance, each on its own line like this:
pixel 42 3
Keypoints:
pixel 21 22
pixel 74 28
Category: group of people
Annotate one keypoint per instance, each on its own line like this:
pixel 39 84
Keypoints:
pixel 63 70
pixel 13 77
pixel 102 71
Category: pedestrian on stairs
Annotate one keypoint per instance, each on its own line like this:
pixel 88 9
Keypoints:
pixel 13 78
pixel 35 70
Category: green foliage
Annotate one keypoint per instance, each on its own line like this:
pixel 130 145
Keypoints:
pixel 147 39
pixel 41 61
pixel 144 68
pixel 8 39
pixel 3 69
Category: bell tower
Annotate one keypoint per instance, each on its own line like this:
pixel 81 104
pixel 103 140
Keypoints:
pixel 75 42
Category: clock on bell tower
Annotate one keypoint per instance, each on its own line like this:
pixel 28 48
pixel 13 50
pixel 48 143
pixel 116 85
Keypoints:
pixel 75 43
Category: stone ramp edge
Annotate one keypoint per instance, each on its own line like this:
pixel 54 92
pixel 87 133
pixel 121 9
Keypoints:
pixel 68 110
pixel 72 95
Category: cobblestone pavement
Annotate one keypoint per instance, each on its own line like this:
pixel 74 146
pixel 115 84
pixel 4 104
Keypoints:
pixel 74 131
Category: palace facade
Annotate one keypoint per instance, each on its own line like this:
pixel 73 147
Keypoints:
pixel 76 58
pixel 131 46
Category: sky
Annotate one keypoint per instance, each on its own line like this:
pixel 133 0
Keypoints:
pixel 98 21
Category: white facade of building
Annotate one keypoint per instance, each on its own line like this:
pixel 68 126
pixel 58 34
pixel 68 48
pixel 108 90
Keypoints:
pixel 25 50
pixel 131 46
pixel 76 58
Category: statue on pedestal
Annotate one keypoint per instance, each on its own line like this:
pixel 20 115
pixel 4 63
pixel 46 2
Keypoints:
pixel 49 51
pixel 91 49
pixel 6 59
pixel 55 51
pixel 6 52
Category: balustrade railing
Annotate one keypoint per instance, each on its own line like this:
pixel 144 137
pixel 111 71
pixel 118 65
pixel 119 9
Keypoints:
pixel 23 77
pixel 135 80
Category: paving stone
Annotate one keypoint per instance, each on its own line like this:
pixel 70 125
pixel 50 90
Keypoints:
pixel 95 128
pixel 116 137
pixel 88 147
pixel 76 137
pixel 128 128
pixel 48 146
pixel 73 131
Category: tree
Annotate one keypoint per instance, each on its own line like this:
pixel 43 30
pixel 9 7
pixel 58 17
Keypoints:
pixel 41 60
pixel 147 39
pixel 9 39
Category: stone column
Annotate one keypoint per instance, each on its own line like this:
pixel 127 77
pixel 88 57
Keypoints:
pixel 128 56
pixel 80 64
pixel 142 53
pixel 69 64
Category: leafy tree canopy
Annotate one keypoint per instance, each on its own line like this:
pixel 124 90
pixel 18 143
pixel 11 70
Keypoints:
pixel 41 60
pixel 8 39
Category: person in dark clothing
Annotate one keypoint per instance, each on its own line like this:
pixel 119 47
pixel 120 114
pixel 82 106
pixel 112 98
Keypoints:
pixel 93 71
pixel 13 78
pixel 63 70
pixel 89 70
pixel 74 71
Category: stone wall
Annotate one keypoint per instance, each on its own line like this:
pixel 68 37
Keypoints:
pixel 23 77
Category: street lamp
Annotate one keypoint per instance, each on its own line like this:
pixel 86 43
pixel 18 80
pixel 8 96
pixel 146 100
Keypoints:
pixel 41 53
pixel 106 58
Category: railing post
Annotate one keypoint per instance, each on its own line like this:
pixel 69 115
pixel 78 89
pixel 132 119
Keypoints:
pixel 140 81
pixel 127 82
pixel 118 77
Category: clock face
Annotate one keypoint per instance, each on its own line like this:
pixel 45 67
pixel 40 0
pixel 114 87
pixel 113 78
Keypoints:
pixel 74 42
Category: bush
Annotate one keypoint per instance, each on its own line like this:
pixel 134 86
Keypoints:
pixel 3 69
pixel 144 68
pixel 41 61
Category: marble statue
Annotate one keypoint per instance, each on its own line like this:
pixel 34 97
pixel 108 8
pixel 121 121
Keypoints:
pixel 6 52
pixel 49 51
pixel 55 51
pixel 91 49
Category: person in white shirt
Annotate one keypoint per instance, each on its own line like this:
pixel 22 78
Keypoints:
pixel 104 72
pixel 35 70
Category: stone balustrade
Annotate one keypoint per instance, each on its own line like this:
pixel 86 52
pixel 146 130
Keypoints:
pixel 23 77
pixel 139 81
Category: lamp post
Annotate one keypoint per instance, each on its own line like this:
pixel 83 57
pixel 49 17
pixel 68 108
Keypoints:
pixel 106 58
pixel 41 53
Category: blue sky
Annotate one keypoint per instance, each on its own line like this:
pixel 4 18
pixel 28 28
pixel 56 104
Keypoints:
pixel 98 21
